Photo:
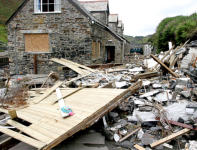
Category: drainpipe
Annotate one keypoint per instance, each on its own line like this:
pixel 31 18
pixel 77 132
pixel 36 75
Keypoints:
pixel 123 46
pixel 16 52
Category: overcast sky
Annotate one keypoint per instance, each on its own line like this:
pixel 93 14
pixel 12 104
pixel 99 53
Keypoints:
pixel 141 17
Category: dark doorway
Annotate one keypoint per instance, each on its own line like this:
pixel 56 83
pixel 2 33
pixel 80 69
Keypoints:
pixel 110 54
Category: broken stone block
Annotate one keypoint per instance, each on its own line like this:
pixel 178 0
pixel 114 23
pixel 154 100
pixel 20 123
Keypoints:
pixel 147 139
pixel 157 85
pixel 120 84
pixel 176 110
pixel 121 123
pixel 192 145
pixel 123 132
pixel 182 81
pixel 164 96
pixel 148 94
pixel 126 144
pixel 113 114
pixel 140 134
pixel 108 134
pixel 141 116
pixel 116 137
pixel 146 83
pixel 180 88
pixel 186 94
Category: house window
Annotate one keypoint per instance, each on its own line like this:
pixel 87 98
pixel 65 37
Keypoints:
pixel 47 6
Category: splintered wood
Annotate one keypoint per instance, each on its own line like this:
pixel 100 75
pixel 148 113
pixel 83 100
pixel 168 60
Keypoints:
pixel 47 127
pixel 80 69
pixel 163 65
pixel 166 139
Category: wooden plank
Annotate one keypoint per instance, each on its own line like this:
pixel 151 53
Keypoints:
pixel 138 147
pixel 31 132
pixel 168 138
pixel 130 134
pixel 23 138
pixel 75 91
pixel 79 65
pixel 47 93
pixel 71 66
pixel 44 131
pixel 146 75
pixel 163 65
pixel 94 116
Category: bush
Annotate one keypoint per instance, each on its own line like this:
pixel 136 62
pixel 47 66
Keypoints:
pixel 175 29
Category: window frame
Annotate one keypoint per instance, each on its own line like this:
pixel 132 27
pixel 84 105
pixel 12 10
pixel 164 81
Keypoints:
pixel 38 7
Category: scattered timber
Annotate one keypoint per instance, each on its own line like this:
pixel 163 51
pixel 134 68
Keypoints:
pixel 163 65
pixel 146 75
pixel 48 128
pixel 138 147
pixel 130 134
pixel 168 138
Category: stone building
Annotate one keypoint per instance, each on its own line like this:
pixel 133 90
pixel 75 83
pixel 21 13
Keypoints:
pixel 99 9
pixel 120 28
pixel 42 29
pixel 113 22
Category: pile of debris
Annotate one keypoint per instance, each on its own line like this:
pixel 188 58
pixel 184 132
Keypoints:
pixel 153 117
pixel 165 107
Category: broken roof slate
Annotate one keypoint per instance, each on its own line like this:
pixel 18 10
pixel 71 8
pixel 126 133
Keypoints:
pixel 95 6
pixel 113 18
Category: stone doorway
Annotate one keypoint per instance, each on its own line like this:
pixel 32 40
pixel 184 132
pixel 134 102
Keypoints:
pixel 110 54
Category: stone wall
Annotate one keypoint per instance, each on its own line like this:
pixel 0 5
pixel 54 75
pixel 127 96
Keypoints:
pixel 113 26
pixel 107 39
pixel 101 16
pixel 69 37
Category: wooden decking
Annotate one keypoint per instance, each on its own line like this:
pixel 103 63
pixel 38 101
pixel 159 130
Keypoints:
pixel 47 128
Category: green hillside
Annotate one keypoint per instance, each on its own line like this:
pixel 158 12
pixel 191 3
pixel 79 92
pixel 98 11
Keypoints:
pixel 177 29
pixel 7 8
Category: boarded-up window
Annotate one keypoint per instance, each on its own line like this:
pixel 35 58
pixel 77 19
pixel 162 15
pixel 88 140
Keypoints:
pixel 96 49
pixel 37 43
pixel 93 50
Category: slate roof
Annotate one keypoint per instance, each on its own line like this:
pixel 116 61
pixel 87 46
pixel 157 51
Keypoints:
pixel 95 6
pixel 113 18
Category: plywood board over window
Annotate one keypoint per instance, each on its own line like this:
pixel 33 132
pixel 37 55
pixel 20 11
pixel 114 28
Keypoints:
pixel 37 43
pixel 96 49
pixel 93 50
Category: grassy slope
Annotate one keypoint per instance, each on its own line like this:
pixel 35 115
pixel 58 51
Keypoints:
pixel 3 34
pixel 7 8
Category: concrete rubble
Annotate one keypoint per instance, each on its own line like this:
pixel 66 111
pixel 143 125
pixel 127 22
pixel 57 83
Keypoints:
pixel 164 106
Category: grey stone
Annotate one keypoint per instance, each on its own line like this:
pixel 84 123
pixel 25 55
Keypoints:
pixel 179 88
pixel 186 94
pixel 113 114
pixel 127 144
pixel 147 139
pixel 90 138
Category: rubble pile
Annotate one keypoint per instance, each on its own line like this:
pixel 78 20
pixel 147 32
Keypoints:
pixel 165 108
pixel 161 115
